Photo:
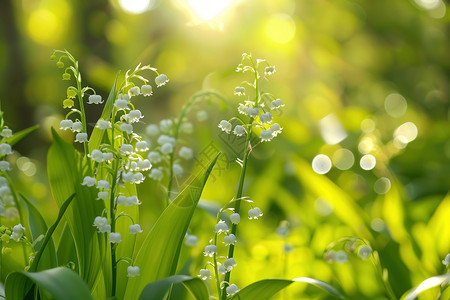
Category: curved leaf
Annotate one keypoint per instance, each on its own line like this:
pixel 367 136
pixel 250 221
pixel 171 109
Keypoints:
pixel 425 285
pixel 48 235
pixel 158 290
pixel 66 170
pixel 158 256
pixel 264 289
pixel 38 227
pixel 60 283
pixel 20 135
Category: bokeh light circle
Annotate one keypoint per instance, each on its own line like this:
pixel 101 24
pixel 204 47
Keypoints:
pixel 395 105
pixel 343 159
pixel 368 162
pixel 280 28
pixel 382 185
pixel 321 164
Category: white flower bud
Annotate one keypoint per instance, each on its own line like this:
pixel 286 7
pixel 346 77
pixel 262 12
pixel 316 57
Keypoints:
pixel 136 228
pixel 5 166
pixel 202 115
pixel 191 240
pixel 239 130
pixel 102 124
pixel 154 157
pixel 232 289
pixel 144 165
pixel 161 80
pixel 5 149
pixel 186 153
pixel 132 200
pixel 167 148
pixel 81 137
pixel 229 264
pixel 77 126
pixel 210 250
pixel 142 146
pixel 97 155
pixel 364 251
pixel 235 218
pixel 95 99
pixel 103 184
pixel 205 274
pixel 239 90
pixel 266 136
pixel 88 181
pixel 225 126
pixel 134 116
pixel 254 213
pixel 108 156
pixel 152 130
pixel 114 237
pixel 229 239
pixel 128 128
pixel 265 118
pixel 102 196
pixel 64 124
pixel 253 111
pixel 133 271
pixel 8 132
pixel 156 174
pixel 146 90
pixel 134 91
pixel 126 149
pixel 221 227
pixel 121 104
pixel 121 200
pixel 177 170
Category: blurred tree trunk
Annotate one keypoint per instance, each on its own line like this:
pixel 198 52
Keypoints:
pixel 14 77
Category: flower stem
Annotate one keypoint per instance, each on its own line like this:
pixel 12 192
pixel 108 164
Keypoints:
pixel 112 207
pixel 237 207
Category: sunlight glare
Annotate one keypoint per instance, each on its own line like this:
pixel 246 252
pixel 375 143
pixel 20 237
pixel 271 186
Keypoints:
pixel 136 6
pixel 207 10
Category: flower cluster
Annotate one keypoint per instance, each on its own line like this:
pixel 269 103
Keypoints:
pixel 121 160
pixel 229 239
pixel 258 110
pixel 338 252
pixel 6 198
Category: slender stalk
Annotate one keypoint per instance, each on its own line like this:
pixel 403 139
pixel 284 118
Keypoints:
pixel 83 113
pixel 216 268
pixel 237 207
pixel 113 228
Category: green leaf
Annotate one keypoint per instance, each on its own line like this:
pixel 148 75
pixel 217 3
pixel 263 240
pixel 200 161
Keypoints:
pixel 20 135
pixel 344 207
pixel 97 134
pixel 38 227
pixel 158 256
pixel 48 235
pixel 66 170
pixel 66 248
pixel 425 285
pixel 158 290
pixel 265 289
pixel 59 283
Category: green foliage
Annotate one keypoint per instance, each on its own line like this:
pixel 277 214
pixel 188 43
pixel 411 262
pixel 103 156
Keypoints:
pixel 161 289
pixel 59 284
pixel 158 255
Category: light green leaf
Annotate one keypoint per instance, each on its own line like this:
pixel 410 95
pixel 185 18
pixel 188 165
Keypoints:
pixel 48 235
pixel 66 248
pixel 158 290
pixel 66 170
pixel 59 283
pixel 344 207
pixel 38 227
pixel 20 135
pixel 265 289
pixel 158 256
pixel 97 134
pixel 425 285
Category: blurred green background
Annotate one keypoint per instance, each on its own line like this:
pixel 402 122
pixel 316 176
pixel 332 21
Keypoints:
pixel 367 76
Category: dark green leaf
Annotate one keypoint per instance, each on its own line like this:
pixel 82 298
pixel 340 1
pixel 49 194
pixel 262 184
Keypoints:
pixel 59 283
pixel 18 136
pixel 158 290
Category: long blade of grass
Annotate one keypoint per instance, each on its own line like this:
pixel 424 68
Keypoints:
pixel 48 235
pixel 60 283
pixel 158 290
pixel 37 228
pixel 265 289
pixel 425 285
pixel 158 256
pixel 66 170
pixel 20 135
